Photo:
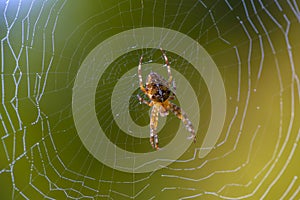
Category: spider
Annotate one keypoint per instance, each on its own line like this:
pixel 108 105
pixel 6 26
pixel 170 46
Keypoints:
pixel 158 91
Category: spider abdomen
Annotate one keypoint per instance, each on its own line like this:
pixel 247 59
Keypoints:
pixel 157 88
pixel 158 92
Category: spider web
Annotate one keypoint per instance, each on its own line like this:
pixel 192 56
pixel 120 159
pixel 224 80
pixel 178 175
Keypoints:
pixel 254 45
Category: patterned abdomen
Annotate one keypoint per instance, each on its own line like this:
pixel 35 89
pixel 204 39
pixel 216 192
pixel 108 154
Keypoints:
pixel 159 92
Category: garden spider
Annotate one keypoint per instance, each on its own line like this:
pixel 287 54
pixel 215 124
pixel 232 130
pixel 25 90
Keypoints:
pixel 158 91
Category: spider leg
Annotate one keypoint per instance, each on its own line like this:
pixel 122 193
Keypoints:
pixel 140 75
pixel 174 84
pixel 163 111
pixel 172 96
pixel 153 127
pixel 184 118
pixel 168 67
pixel 144 101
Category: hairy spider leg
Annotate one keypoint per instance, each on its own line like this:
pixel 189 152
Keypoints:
pixel 154 111
pixel 184 118
pixel 153 122
pixel 144 101
pixel 140 75
pixel 168 68
pixel 153 126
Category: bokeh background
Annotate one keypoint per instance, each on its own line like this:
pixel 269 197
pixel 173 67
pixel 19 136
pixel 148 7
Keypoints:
pixel 255 45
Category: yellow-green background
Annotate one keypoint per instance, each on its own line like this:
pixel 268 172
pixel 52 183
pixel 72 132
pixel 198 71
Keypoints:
pixel 260 155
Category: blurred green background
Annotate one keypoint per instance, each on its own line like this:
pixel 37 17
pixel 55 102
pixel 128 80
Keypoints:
pixel 254 44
